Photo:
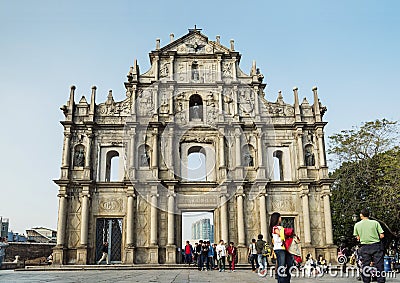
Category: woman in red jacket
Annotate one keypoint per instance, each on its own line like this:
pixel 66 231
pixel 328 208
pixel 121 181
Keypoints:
pixel 231 256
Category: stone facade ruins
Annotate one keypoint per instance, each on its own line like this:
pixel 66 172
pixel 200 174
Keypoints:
pixel 126 176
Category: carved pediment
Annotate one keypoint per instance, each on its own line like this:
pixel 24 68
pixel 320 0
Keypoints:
pixel 194 43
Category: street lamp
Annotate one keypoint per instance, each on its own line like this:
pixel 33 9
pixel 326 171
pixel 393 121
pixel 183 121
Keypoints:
pixel 354 217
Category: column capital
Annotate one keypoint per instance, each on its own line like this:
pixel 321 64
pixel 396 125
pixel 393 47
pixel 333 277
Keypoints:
pixel 171 194
pixel 240 195
pixel 324 194
pixel 62 195
pixel 154 195
pixel 304 194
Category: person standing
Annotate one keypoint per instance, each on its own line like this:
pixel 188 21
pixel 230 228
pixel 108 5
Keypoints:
pixel 284 258
pixel 188 252
pixel 252 254
pixel 199 257
pixel 210 259
pixel 369 233
pixel 204 255
pixel 262 265
pixel 221 254
pixel 231 256
pixel 104 250
pixel 3 246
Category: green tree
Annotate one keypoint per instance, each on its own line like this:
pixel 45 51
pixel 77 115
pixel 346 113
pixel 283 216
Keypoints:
pixel 367 175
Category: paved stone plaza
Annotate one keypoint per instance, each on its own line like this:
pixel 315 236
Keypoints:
pixel 175 275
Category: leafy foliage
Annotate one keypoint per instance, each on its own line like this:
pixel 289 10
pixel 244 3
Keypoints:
pixel 368 176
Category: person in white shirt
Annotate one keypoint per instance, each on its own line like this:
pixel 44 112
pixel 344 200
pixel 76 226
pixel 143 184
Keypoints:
pixel 253 255
pixel 221 255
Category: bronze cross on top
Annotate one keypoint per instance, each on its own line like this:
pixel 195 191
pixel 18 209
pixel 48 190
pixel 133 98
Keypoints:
pixel 195 28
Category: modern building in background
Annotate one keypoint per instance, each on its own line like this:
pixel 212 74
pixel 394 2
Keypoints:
pixel 203 230
pixel 41 235
pixel 16 237
pixel 5 223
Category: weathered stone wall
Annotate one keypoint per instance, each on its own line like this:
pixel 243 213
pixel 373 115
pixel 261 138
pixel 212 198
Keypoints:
pixel 28 251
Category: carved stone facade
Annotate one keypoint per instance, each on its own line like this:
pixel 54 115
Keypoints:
pixel 125 175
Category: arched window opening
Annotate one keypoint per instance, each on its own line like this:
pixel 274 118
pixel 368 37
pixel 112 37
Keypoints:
pixel 278 166
pixel 79 156
pixel 195 108
pixel 309 156
pixel 112 166
pixel 144 156
pixel 248 155
pixel 196 164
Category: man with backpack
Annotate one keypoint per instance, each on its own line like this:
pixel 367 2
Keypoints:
pixel 260 244
pixel 252 254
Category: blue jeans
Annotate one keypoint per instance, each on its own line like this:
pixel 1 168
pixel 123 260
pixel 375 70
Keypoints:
pixel 261 261
pixel 284 262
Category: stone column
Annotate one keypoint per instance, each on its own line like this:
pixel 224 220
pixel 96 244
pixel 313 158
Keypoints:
pixel 240 221
pixel 238 149
pixel 328 219
pixel 130 223
pixel 224 218
pixel 256 102
pixel 261 173
pixel 171 219
pixel 235 101
pixel 58 250
pixel 299 135
pixel 263 215
pixel 153 220
pixel 171 246
pixel 306 219
pixel 130 219
pixel 154 159
pixel 132 153
pixel 321 148
pixel 85 219
pixel 62 219
pixel 171 100
pixel 171 71
pixel 219 75
pixel 82 252
pixel 221 151
pixel 89 149
pixel 234 75
pixel 66 148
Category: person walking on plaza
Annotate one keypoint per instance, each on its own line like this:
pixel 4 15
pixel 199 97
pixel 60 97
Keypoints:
pixel 210 259
pixel 262 264
pixel 104 250
pixel 204 256
pixel 369 233
pixel 283 257
pixel 253 256
pixel 199 257
pixel 188 252
pixel 221 254
pixel 231 256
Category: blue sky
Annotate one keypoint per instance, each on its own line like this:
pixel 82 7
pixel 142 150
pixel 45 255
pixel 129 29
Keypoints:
pixel 349 49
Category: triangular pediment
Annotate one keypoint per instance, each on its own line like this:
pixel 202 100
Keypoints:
pixel 195 42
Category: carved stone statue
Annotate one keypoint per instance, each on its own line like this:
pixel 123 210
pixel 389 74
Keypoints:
pixel 144 159
pixel 196 111
pixel 248 159
pixel 79 158
pixel 309 157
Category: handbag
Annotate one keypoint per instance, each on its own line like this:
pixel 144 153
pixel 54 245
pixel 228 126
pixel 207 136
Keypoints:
pixel 294 247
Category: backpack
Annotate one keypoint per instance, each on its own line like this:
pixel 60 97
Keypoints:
pixel 266 251
pixel 259 246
